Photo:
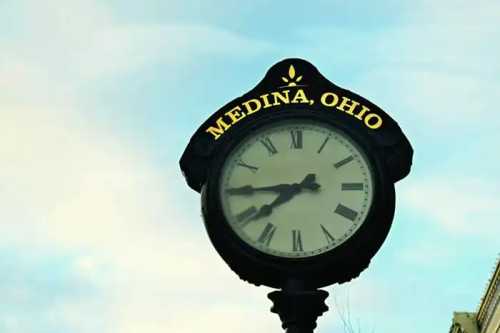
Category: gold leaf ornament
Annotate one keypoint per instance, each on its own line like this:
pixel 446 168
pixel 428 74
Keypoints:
pixel 291 72
pixel 284 79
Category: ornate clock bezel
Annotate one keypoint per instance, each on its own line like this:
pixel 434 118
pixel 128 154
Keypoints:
pixel 339 264
pixel 295 88
pixel 337 137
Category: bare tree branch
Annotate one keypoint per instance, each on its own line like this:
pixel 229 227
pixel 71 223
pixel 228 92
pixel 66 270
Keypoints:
pixel 344 313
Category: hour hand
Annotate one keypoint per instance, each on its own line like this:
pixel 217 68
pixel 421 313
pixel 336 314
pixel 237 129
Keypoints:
pixel 266 210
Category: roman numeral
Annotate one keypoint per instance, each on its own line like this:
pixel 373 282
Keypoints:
pixel 352 186
pixel 323 144
pixel 343 162
pixel 244 216
pixel 346 212
pixel 267 234
pixel 269 146
pixel 248 166
pixel 297 241
pixel 296 139
pixel 329 237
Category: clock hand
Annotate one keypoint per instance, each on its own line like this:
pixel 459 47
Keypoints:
pixel 266 210
pixel 308 183
pixel 248 189
pixel 288 192
pixel 244 190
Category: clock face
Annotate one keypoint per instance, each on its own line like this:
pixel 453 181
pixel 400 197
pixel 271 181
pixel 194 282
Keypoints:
pixel 296 188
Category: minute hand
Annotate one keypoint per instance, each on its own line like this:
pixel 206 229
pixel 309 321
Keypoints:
pixel 288 193
pixel 248 189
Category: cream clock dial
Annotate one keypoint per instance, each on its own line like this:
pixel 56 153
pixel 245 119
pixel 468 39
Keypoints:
pixel 296 188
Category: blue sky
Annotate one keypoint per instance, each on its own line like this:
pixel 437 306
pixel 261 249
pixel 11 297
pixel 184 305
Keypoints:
pixel 99 98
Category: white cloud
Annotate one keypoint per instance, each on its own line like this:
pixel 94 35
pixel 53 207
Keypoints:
pixel 424 253
pixel 70 187
pixel 436 67
pixel 443 101
pixel 79 41
pixel 459 206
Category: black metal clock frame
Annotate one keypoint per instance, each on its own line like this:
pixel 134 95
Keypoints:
pixel 337 265
pixel 388 152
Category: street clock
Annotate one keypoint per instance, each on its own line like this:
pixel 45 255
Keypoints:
pixel 297 179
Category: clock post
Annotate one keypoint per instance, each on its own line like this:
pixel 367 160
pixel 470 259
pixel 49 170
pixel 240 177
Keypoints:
pixel 297 178
pixel 298 308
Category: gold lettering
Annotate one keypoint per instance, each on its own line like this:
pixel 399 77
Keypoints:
pixel 235 115
pixel 275 98
pixel 378 121
pixel 256 103
pixel 345 104
pixel 300 97
pixel 283 98
pixel 266 101
pixel 219 130
pixel 334 99
pixel 362 112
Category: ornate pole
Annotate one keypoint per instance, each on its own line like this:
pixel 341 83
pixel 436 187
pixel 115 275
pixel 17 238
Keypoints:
pixel 298 307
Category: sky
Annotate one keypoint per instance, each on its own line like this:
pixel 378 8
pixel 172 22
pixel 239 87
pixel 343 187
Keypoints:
pixel 98 100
